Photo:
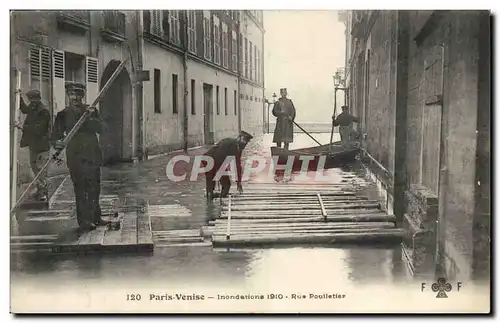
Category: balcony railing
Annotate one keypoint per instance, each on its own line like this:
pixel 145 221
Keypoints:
pixel 114 21
pixel 78 21
pixel 83 16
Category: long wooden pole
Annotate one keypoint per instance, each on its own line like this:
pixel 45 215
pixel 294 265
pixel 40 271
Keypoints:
pixel 72 132
pixel 13 189
pixel 334 114
pixel 307 133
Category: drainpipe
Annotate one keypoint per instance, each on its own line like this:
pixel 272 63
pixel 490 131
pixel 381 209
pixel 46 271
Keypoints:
pixel 140 89
pixel 186 92
pixel 239 69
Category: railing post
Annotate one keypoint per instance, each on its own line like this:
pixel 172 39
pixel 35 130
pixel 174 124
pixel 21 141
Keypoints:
pixel 323 211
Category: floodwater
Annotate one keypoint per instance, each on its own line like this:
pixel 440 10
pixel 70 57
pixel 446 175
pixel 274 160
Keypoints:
pixel 371 278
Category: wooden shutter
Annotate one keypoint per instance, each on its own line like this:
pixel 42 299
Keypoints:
pixel 34 68
pixel 91 77
pixel 58 83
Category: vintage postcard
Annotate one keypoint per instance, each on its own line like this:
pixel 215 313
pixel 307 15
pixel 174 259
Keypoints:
pixel 250 161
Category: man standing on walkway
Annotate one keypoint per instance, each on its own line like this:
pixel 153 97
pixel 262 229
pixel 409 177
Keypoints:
pixel 83 155
pixel 284 111
pixel 228 147
pixel 36 129
pixel 344 121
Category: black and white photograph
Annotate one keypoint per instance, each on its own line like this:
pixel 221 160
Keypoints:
pixel 185 160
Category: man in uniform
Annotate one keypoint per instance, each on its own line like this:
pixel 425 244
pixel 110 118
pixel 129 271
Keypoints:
pixel 83 155
pixel 36 129
pixel 284 111
pixel 226 147
pixel 344 121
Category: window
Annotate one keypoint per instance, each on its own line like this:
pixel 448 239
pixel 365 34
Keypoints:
pixel 246 58
pixel 217 100
pixel 175 93
pixel 225 58
pixel 225 101
pixel 192 31
pixel 156 22
pixel 207 39
pixel 216 41
pixel 257 65
pixel 174 27
pixel 75 67
pixel 193 97
pixel 254 63
pixel 251 61
pixel 157 90
pixel 235 98
pixel 241 58
pixel 234 52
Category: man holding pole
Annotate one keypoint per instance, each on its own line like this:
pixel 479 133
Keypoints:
pixel 284 111
pixel 36 129
pixel 345 121
pixel 83 155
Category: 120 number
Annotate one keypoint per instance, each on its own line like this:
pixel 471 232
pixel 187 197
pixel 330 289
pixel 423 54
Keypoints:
pixel 133 297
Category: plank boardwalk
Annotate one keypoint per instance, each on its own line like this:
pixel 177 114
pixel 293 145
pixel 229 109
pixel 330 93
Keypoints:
pixel 277 214
pixel 133 235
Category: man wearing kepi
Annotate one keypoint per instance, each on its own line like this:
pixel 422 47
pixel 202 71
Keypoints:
pixel 228 147
pixel 83 155
pixel 344 121
pixel 36 136
pixel 284 111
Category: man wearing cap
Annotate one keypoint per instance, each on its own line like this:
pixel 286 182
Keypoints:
pixel 344 121
pixel 228 147
pixel 83 156
pixel 36 129
pixel 284 111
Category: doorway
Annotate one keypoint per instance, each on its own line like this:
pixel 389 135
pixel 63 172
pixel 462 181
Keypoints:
pixel 208 114
pixel 116 112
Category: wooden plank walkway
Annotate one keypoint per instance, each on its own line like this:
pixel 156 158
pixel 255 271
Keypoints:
pixel 281 214
pixel 133 235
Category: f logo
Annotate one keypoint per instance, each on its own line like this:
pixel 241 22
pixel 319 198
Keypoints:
pixel 441 287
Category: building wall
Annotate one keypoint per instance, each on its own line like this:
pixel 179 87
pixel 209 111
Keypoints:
pixel 252 84
pixel 441 138
pixel 163 131
pixel 252 103
pixel 203 68
pixel 43 32
pixel 222 124
pixel 380 117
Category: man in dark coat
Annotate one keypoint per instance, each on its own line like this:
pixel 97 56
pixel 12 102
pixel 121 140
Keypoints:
pixel 83 156
pixel 344 121
pixel 228 147
pixel 284 111
pixel 36 129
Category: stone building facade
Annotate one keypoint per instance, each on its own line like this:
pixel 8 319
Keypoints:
pixel 420 82
pixel 190 78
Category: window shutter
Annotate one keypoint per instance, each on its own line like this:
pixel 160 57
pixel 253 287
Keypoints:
pixel 34 68
pixel 91 77
pixel 58 82
pixel 165 24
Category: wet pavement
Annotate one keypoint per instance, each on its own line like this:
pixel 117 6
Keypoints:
pixel 366 273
